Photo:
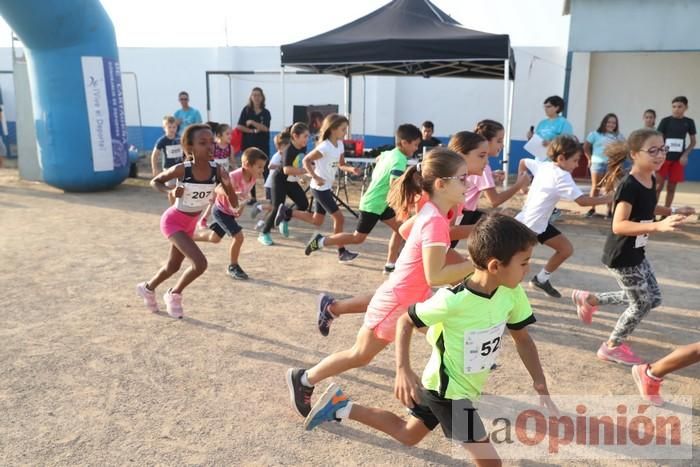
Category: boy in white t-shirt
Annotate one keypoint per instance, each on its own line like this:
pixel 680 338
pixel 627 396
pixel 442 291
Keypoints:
pixel 322 165
pixel 552 181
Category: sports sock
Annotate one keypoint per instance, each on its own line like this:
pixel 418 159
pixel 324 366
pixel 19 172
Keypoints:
pixel 543 276
pixel 305 381
pixel 344 413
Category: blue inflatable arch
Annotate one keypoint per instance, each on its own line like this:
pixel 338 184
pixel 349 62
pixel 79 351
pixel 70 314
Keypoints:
pixel 76 86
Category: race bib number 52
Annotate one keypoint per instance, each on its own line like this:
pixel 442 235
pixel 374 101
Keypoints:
pixel 481 348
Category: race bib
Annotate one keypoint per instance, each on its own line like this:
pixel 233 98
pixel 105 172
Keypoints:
pixel 173 151
pixel 197 195
pixel 675 144
pixel 641 240
pixel 481 348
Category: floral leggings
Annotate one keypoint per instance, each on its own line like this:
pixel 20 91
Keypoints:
pixel 640 292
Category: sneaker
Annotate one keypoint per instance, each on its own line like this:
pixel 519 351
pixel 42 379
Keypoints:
pixel 173 303
pixel 254 211
pixel 388 269
pixel 251 202
pixel 149 297
pixel 265 239
pixel 590 213
pixel 325 317
pixel 325 409
pixel 236 272
pixel 284 229
pixel 584 310
pixel 546 287
pixel 299 394
pixel 347 257
pixel 313 244
pixel 649 388
pixel 556 215
pixel 620 354
pixel 259 225
pixel 281 214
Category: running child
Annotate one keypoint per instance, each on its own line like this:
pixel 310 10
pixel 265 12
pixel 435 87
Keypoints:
pixel 421 266
pixel 552 181
pixel 374 207
pixel 322 165
pixel 281 141
pixel 649 378
pixel 285 183
pixel 197 180
pixel 624 252
pixel 225 216
pixel 223 154
pixel 675 129
pixel 168 150
pixel 465 327
pixel 594 148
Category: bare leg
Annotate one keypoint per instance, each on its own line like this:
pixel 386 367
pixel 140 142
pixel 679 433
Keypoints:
pixel 660 187
pixel 483 454
pixel 354 238
pixel 357 304
pixel 562 250
pixel 309 218
pixel 670 194
pixel 338 223
pixel 408 432
pixel 366 347
pixel 396 241
pixel 198 261
pixel 676 360
pixel 206 236
pixel 172 265
pixel 235 249
pixel 595 179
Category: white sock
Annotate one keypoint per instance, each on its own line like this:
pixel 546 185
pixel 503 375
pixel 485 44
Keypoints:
pixel 344 413
pixel 390 265
pixel 655 378
pixel 543 276
pixel 305 381
pixel 321 241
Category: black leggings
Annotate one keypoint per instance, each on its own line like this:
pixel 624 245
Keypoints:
pixel 280 190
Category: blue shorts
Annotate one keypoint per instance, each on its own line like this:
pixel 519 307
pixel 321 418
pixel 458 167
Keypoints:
pixel 599 168
pixel 224 223
pixel 324 202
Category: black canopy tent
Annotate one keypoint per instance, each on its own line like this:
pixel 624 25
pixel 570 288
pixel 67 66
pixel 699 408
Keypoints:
pixel 408 38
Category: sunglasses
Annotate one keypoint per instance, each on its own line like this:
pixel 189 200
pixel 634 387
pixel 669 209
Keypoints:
pixel 461 178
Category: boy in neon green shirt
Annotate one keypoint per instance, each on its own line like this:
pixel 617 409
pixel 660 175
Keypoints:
pixel 374 206
pixel 464 326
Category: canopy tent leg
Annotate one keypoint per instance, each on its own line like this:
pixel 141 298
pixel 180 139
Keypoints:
pixel 347 101
pixel 283 121
pixel 507 120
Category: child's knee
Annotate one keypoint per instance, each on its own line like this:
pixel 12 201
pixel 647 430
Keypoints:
pixel 172 266
pixel 239 237
pixel 199 265
pixel 361 357
pixel 358 238
pixel 567 250
pixel 214 238
pixel 408 437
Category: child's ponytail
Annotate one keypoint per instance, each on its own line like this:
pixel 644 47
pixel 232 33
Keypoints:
pixel 617 153
pixel 405 192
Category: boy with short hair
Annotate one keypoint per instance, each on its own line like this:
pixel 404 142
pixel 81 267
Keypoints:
pixel 168 149
pixel 428 141
pixel 675 128
pixel 465 326
pixel 374 206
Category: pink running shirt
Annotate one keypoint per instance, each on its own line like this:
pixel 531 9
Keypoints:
pixel 477 184
pixel 408 281
pixel 242 188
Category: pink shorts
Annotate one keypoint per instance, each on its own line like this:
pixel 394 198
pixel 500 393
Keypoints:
pixel 385 309
pixel 174 220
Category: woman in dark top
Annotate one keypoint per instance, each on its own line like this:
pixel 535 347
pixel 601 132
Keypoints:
pixel 624 255
pixel 254 123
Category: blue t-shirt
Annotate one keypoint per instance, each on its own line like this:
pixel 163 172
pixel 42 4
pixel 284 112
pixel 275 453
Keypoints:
pixel 549 129
pixel 599 141
pixel 187 118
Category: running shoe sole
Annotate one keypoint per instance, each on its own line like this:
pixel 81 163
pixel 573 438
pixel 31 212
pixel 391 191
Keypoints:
pixel 325 398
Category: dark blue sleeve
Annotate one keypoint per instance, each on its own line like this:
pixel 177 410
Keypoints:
pixel 244 116
pixel 691 126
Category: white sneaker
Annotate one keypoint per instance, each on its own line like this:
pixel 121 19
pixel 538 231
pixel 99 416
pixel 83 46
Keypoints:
pixel 149 297
pixel 173 303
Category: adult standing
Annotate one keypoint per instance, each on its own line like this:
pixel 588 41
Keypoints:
pixel 555 124
pixel 254 123
pixel 186 115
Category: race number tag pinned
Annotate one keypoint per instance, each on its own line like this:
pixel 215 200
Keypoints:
pixel 481 348
pixel 675 144
pixel 174 151
pixel 642 240
pixel 197 195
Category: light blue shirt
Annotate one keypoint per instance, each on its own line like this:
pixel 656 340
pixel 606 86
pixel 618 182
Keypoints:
pixel 599 141
pixel 187 118
pixel 549 129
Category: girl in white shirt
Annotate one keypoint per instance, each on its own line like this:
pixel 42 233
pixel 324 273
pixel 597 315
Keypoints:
pixel 552 181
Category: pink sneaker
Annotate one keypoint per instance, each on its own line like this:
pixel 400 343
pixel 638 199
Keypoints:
pixel 620 354
pixel 149 297
pixel 649 388
pixel 173 303
pixel 584 309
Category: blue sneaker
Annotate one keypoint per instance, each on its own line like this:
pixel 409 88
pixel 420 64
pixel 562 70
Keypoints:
pixel 325 409
pixel 324 315
pixel 284 229
pixel 265 239
pixel 282 214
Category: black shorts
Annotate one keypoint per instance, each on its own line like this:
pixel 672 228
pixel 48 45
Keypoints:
pixel 549 233
pixel 368 220
pixel 224 223
pixel 468 218
pixel 435 410
pixel 324 203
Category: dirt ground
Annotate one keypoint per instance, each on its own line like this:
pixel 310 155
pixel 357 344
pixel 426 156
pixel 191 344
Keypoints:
pixel 88 376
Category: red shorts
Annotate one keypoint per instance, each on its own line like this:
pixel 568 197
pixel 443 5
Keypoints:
pixel 673 171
